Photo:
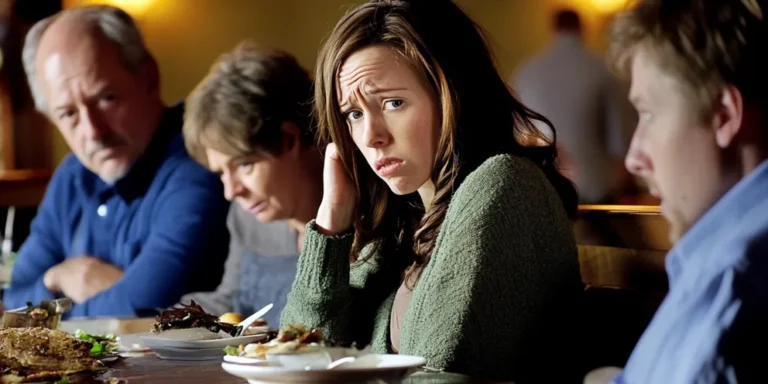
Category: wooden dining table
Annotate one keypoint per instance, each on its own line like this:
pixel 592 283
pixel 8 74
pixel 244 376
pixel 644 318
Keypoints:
pixel 144 367
pixel 147 368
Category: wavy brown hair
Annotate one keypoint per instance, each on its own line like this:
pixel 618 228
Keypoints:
pixel 479 118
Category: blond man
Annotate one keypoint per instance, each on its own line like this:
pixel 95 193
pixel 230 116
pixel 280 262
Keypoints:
pixel 700 86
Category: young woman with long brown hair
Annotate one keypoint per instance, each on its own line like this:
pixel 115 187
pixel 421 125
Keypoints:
pixel 439 233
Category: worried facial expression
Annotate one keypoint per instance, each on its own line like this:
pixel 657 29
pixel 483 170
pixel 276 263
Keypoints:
pixel 392 116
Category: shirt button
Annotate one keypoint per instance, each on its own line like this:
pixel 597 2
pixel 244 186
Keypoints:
pixel 102 211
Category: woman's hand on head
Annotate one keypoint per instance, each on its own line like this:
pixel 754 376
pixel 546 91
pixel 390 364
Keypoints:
pixel 339 195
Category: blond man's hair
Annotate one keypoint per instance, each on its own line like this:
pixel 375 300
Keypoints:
pixel 239 107
pixel 705 44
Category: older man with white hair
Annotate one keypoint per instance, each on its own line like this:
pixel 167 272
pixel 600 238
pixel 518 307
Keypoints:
pixel 129 223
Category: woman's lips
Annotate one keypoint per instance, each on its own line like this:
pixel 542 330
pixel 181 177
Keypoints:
pixel 388 166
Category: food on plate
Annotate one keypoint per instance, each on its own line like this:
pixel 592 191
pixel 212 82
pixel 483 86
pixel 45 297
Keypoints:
pixel 38 314
pixel 102 345
pixel 231 318
pixel 41 354
pixel 81 379
pixel 291 338
pixel 188 317
pixel 234 318
pixel 47 314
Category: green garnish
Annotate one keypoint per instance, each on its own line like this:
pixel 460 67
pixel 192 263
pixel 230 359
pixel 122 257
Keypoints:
pixel 231 350
pixel 100 344
pixel 64 380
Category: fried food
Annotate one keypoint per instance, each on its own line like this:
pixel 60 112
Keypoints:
pixel 35 354
pixel 235 318
pixel 231 318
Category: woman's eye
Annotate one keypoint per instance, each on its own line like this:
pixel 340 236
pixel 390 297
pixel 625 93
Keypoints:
pixel 354 115
pixel 393 104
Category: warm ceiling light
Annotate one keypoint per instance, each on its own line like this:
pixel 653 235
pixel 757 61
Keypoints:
pixel 135 8
pixel 608 6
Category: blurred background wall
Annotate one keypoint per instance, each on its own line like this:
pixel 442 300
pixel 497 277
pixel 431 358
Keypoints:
pixel 186 36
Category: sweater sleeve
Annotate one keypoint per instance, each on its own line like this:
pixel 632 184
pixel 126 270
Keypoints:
pixel 504 254
pixel 331 293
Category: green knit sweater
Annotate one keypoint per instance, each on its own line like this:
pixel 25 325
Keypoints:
pixel 488 303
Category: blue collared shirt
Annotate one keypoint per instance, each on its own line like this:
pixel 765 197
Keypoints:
pixel 163 224
pixel 713 325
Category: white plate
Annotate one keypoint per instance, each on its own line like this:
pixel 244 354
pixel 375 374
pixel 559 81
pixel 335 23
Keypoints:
pixel 314 357
pixel 132 342
pixel 188 354
pixel 153 342
pixel 369 367
pixel 308 358
pixel 243 360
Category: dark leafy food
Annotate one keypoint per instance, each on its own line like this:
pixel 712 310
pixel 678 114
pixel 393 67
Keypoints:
pixel 191 316
pixel 40 354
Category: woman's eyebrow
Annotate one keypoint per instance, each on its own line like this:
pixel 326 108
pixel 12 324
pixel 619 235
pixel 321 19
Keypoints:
pixel 375 91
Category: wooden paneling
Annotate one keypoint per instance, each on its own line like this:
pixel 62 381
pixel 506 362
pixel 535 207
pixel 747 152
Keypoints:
pixel 23 188
pixel 32 135
pixel 7 154
pixel 622 268
pixel 622 247
pixel 621 256
pixel 622 226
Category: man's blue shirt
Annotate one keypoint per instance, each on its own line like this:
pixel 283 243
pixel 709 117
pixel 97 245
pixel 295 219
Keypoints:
pixel 163 224
pixel 713 325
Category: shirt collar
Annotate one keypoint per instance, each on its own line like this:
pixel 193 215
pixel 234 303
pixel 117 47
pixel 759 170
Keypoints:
pixel 708 230
pixel 140 176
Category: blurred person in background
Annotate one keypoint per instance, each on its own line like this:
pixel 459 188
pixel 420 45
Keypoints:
pixel 574 89
pixel 129 222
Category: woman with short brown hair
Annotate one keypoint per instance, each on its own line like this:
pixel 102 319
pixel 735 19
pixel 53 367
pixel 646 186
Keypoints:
pixel 249 120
